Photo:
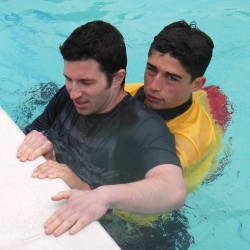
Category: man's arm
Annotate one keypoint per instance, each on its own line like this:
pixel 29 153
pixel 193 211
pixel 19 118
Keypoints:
pixel 162 190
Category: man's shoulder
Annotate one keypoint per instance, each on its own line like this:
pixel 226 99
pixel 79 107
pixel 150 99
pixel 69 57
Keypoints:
pixel 132 88
pixel 62 93
pixel 138 108
pixel 142 121
pixel 197 114
pixel 195 121
pixel 60 98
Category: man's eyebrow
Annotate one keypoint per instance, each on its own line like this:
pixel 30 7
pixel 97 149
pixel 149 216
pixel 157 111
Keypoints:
pixel 167 73
pixel 84 79
pixel 151 65
pixel 173 75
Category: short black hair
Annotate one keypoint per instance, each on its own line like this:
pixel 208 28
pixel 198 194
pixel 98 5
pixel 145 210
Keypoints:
pixel 186 43
pixel 99 41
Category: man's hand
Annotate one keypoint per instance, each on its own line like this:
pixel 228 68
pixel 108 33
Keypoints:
pixel 34 145
pixel 82 208
pixel 52 170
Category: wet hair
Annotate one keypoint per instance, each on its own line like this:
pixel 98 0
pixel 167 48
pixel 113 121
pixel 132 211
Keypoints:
pixel 99 41
pixel 186 43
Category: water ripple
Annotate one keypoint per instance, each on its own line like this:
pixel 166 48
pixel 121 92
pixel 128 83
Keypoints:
pixel 244 13
pixel 10 19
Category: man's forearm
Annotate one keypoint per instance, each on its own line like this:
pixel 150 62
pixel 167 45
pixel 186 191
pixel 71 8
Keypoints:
pixel 163 190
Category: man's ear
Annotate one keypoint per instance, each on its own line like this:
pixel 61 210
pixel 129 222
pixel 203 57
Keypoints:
pixel 198 83
pixel 118 77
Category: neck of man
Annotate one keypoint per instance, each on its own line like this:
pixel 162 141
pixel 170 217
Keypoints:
pixel 166 114
pixel 116 99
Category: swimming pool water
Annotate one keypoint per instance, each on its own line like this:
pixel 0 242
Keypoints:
pixel 217 215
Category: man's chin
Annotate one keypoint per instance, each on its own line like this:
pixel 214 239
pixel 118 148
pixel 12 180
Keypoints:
pixel 151 105
pixel 83 111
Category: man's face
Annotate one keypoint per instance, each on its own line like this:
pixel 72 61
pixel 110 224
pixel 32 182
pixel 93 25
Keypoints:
pixel 166 82
pixel 87 87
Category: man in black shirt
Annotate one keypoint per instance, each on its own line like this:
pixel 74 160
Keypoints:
pixel 101 140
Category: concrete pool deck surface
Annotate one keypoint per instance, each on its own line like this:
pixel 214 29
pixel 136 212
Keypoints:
pixel 25 203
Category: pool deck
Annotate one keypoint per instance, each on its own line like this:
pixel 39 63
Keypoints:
pixel 26 204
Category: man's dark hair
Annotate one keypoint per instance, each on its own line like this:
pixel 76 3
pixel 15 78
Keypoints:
pixel 99 41
pixel 186 43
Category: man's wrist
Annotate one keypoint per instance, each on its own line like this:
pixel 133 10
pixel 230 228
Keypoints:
pixel 107 196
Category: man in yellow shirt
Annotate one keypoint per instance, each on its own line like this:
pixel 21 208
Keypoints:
pixel 173 87
pixel 196 116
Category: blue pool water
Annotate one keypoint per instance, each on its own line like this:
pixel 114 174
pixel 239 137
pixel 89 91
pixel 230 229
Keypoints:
pixel 217 215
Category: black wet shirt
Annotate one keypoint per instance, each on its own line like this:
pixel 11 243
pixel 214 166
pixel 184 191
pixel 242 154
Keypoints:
pixel 116 147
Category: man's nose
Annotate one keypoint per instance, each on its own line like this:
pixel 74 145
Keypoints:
pixel 74 91
pixel 156 84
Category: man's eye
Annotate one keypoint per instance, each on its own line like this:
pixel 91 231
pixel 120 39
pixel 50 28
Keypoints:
pixel 151 69
pixel 68 79
pixel 171 78
pixel 86 83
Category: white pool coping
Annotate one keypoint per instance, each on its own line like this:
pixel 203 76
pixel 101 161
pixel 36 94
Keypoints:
pixel 25 203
